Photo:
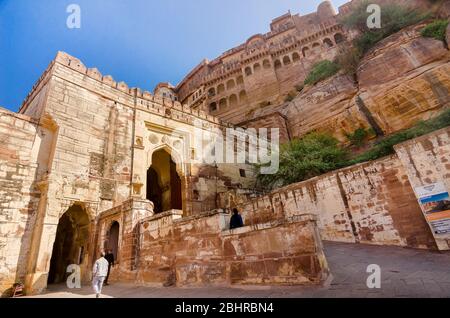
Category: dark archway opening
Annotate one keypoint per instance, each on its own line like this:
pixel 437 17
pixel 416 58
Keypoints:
pixel 164 183
pixel 70 246
pixel 113 239
pixel 339 38
pixel 154 191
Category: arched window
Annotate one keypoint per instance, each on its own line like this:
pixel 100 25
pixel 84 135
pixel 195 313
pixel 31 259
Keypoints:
pixel 223 104
pixel 295 57
pixel 231 84
pixel 328 42
pixel 286 60
pixel 266 64
pixel 213 107
pixel 257 67
pixel 212 92
pixel 220 89
pixel 242 97
pixel 240 80
pixel 248 71
pixel 277 64
pixel 338 38
pixel 233 100
pixel 305 51
pixel 316 48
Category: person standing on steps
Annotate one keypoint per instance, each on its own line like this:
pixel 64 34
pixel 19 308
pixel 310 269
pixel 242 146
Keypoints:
pixel 236 220
pixel 99 273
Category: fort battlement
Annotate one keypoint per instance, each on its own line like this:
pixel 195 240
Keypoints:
pixel 143 100
pixel 266 68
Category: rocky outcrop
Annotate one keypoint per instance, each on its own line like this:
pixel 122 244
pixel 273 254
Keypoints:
pixel 329 106
pixel 444 10
pixel 404 79
pixel 447 37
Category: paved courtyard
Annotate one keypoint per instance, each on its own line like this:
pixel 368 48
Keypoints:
pixel 405 273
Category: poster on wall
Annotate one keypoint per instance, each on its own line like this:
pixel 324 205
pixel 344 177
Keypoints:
pixel 435 202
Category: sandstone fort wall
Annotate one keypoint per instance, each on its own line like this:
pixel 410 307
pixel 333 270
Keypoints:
pixel 371 203
pixel 200 251
pixel 18 197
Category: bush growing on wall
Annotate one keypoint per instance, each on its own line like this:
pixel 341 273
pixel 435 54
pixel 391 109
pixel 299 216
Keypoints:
pixel 358 137
pixel 305 158
pixel 321 71
pixel 436 29
pixel 385 147
pixel 394 17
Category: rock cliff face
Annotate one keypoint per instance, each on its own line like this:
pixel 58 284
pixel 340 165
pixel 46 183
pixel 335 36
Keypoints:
pixel 329 107
pixel 447 38
pixel 444 10
pixel 404 79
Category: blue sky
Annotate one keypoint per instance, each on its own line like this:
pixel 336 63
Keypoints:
pixel 141 42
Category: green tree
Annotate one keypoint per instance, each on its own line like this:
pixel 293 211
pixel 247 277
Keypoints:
pixel 305 158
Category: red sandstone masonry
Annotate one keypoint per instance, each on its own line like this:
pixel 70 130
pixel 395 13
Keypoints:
pixel 370 203
pixel 427 161
pixel 18 197
pixel 198 251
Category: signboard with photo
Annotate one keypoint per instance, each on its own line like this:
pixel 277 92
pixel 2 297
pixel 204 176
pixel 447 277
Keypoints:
pixel 435 202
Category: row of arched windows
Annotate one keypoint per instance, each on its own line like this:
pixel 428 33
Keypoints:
pixel 288 59
pixel 232 100
pixel 257 67
pixel 266 64
pixel 221 88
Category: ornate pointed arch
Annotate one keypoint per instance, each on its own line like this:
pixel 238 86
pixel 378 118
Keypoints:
pixel 176 157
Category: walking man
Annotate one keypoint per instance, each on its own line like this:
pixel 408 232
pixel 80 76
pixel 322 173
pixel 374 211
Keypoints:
pixel 99 273
pixel 110 258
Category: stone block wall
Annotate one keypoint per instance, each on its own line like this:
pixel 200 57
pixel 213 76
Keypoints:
pixel 371 203
pixel 95 137
pixel 427 162
pixel 200 250
pixel 287 251
pixel 18 195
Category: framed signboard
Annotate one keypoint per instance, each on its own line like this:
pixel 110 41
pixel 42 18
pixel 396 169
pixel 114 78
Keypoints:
pixel 435 202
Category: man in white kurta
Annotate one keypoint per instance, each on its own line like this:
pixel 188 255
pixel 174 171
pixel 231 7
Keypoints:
pixel 99 273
